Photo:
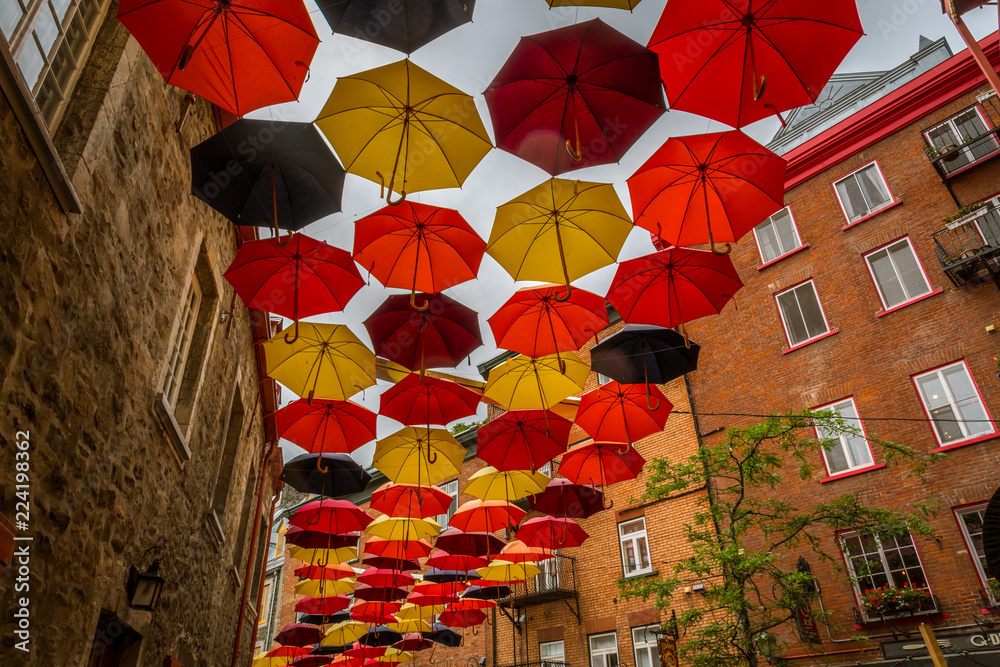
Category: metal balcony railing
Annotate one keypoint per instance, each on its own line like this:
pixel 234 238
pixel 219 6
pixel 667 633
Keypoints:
pixel 967 149
pixel 536 663
pixel 968 249
pixel 929 606
pixel 557 582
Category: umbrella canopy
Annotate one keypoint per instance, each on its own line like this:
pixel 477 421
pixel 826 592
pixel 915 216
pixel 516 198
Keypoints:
pixel 492 592
pixel 431 588
pixel 488 516
pixel 418 455
pixel 674 286
pixel 332 516
pixel 523 383
pixel 269 661
pixel 601 463
pixel 325 619
pixel 523 439
pixel 623 413
pixel 575 97
pixel 455 541
pixel 562 498
pixel 410 625
pixel 320 588
pixel 325 474
pixel 410 500
pixel 318 539
pixel 376 576
pixel 404 25
pixel 417 400
pixel 325 605
pixel 379 594
pixel 418 247
pixel 535 322
pixel 413 641
pixel 551 533
pixel 519 552
pixel 322 426
pixel 380 636
pixel 445 576
pixel 707 188
pixel 410 611
pixel 447 561
pixel 401 528
pixel 402 127
pixel 362 652
pixel 322 361
pixel 239 54
pixel 461 619
pixel 312 661
pixel 397 549
pixel 370 560
pixel 583 224
pixel 436 332
pixel 323 557
pixel 345 632
pixel 298 634
pixel 507 572
pixel 491 484
pixel 753 57
pixel 442 634
pixel 332 572
pixel 375 612
pixel 644 354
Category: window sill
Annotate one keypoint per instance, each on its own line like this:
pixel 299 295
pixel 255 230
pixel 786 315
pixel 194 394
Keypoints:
pixel 811 341
pixel 640 575
pixel 962 443
pixel 178 443
pixel 871 215
pixel 781 257
pixel 214 528
pixel 851 473
pixel 909 303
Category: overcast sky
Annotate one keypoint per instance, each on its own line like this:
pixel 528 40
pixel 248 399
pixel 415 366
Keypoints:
pixel 470 56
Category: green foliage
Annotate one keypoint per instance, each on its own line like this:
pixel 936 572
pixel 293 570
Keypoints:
pixel 744 538
pixel 964 211
pixel 465 426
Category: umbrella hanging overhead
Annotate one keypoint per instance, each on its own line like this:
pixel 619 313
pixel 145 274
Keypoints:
pixel 325 619
pixel 583 224
pixel 410 610
pixel 410 625
pixel 322 557
pixel 523 383
pixel 462 619
pixel 334 572
pixel 312 661
pixel 431 588
pixel 402 127
pixel 371 560
pixel 403 529
pixel 551 533
pixel 442 634
pixel 507 572
pixel 326 605
pixel 333 516
pixel 380 636
pixel 343 633
pixel 416 400
pixel 537 321
pixel 646 354
pixel 376 576
pixel 519 552
pixel 707 188
pixel 239 54
pixel 329 475
pixel 413 641
pixel 436 332
pixel 404 25
pixel 623 413
pixel 443 576
pixel 488 516
pixel 601 463
pixel 562 498
pixel 491 592
pixel 410 500
pixel 575 97
pixel 324 361
pixel 378 593
pixel 418 455
pixel 754 58
pixel 469 544
pixel 410 549
pixel 321 588
pixel 375 612
pixel 323 426
pixel 298 634
pixel 522 439
pixel 491 484
pixel 317 539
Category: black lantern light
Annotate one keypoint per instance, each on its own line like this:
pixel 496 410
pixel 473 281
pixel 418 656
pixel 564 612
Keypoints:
pixel 767 645
pixel 144 589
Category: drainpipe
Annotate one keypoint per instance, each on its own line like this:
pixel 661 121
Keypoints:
pixel 974 48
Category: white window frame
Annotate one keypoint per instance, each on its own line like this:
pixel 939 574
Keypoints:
pixel 961 512
pixel 546 468
pixel 451 488
pixel 646 645
pixel 784 251
pixel 180 342
pixel 871 271
pixel 843 209
pixel 967 435
pixel 966 150
pixel 784 323
pixel 604 652
pixel 556 658
pixel 550 575
pixel 634 538
pixel 841 439
pixel 881 550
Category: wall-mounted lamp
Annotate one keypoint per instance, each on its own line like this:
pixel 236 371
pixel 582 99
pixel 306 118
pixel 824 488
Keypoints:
pixel 144 589
pixel 767 645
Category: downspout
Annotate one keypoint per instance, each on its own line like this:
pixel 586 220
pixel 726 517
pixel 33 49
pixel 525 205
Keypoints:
pixel 263 567
pixel 698 434
pixel 977 52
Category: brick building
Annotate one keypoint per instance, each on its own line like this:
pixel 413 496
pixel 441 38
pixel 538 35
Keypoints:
pixel 875 293
pixel 125 357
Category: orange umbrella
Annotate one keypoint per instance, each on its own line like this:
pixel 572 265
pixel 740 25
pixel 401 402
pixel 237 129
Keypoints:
pixel 487 516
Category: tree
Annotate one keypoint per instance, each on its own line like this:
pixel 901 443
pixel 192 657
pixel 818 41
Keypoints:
pixel 742 539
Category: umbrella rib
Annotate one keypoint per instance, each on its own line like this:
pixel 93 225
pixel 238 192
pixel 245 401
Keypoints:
pixel 240 24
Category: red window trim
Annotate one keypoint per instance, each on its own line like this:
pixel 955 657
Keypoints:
pixel 910 302
pixel 811 341
pixel 851 473
pixel 781 257
pixel 892 197
pixel 781 318
pixel 930 422
pixel 970 441
pixel 871 274
pixel 871 215
pixel 847 473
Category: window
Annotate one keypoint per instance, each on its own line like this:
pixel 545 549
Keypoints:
pixel 546 469
pixel 952 401
pixel 603 650
pixel 963 128
pixel 635 549
pixel 602 378
pixel 265 602
pixel 802 314
pixel 552 652
pixel 970 520
pixel 849 451
pixel 863 192
pixel 451 488
pixel 227 465
pixel 877 560
pixel 549 578
pixel 644 645
pixel 50 41
pixel 777 236
pixel 897 273
pixel 180 344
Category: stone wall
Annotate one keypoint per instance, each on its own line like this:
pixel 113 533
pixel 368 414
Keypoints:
pixel 90 302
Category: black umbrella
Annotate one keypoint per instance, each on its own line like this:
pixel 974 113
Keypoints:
pixel 460 543
pixel 319 649
pixel 495 592
pixel 404 25
pixel 640 354
pixel 298 634
pixel 443 635
pixel 325 619
pixel 446 576
pixel 318 539
pixel 380 636
pixel 331 475
pixel 562 498
pixel 255 170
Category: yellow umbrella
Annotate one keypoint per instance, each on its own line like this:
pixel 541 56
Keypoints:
pixel 322 361
pixel 508 572
pixel 322 556
pixel 343 633
pixel 395 655
pixel 614 4
pixel 411 611
pixel 320 588
pixel 410 625
pixel 523 383
pixel 490 484
pixel 272 661
pixel 418 455
pixel 402 528
pixel 402 127
pixel 583 224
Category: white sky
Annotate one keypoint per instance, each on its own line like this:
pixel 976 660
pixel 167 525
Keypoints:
pixel 469 57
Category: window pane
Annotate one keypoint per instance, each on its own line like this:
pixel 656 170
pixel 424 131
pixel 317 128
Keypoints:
pixel 633 527
pixel 630 564
pixel 30 62
pixel 836 457
pixel 910 274
pixel 943 136
pixel 794 324
pixel 939 407
pixel 811 312
pixel 886 279
pixel 852 199
pixel 969 124
pixel 10 15
pixel 785 228
pixel 599 642
pixel 874 189
pixel 551 650
pixel 768 241
pixel 643 553
pixel 967 399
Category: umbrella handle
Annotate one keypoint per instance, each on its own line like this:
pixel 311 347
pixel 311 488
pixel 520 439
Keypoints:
pixel 562 298
pixel 758 89
pixel 390 202
pixel 413 302
pixel 319 465
pixel 776 113
pixel 649 396
pixel 575 154
pixel 295 337
pixel 729 247
pixel 475 630
pixel 388 195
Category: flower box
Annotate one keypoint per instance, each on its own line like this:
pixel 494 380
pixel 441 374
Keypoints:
pixel 889 602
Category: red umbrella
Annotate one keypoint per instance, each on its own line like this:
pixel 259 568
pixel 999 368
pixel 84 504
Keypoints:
pixel 289 651
pixel 468 544
pixel 467 604
pixel 465 618
pixel 413 641
pixel 738 61
pixel 623 412
pixel 442 589
pixel 674 286
pixel 418 247
pixel 535 322
pixel 299 634
pixel 335 572
pixel 294 278
pixel 410 500
pixel 574 97
pixel 318 539
pixel 549 532
pixel 443 560
pixel 486 516
pixel 239 54
pixel 376 576
pixel 312 661
pixel 371 560
pixel 375 612
pixel 707 188
pixel 523 439
pixel 417 400
pixel 440 333
pixel 379 593
pixel 519 552
pixel 601 463
pixel 364 652
pixel 326 426
pixel 325 605
pixel 397 548
pixel 563 498
pixel 332 516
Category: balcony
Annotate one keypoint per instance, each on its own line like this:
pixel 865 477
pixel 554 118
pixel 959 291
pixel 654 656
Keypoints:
pixel 969 138
pixel 556 582
pixel 927 607
pixel 968 248
pixel 536 663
